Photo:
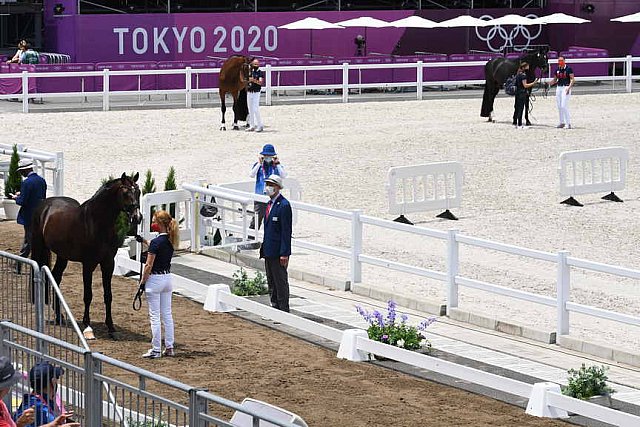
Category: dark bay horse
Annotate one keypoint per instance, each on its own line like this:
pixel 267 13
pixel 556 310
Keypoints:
pixel 85 233
pixel 498 70
pixel 234 78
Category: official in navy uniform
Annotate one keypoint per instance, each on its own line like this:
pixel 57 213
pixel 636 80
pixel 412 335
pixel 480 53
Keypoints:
pixel 276 247
pixel 33 190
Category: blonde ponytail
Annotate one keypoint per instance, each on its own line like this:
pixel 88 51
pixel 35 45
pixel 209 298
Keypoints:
pixel 171 225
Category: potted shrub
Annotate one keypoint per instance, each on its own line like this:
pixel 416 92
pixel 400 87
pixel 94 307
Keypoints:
pixel 244 286
pixel 170 184
pixel 12 183
pixel 589 383
pixel 389 330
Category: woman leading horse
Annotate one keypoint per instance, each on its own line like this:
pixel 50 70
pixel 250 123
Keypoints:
pixel 234 78
pixel 498 70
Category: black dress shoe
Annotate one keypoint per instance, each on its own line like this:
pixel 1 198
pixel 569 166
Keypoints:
pixel 528 123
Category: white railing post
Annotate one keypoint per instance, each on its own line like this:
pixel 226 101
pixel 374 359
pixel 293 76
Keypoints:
pixel 419 71
pixel 628 73
pixel 187 86
pixel 356 247
pixel 58 177
pixel 267 81
pixel 452 270
pixel 562 293
pixel 25 91
pixel 345 82
pixel 105 90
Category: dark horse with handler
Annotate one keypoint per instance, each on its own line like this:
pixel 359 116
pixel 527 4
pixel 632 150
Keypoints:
pixel 498 70
pixel 234 78
pixel 85 233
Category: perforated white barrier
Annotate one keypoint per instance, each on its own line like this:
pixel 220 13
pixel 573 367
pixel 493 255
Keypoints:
pixel 425 187
pixel 593 171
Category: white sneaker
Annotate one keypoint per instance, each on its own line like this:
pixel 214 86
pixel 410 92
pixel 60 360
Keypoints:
pixel 560 126
pixel 152 354
pixel 568 126
pixel 260 129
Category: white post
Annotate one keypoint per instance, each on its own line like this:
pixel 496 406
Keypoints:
pixel 105 90
pixel 562 293
pixel 356 247
pixel 187 87
pixel 419 80
pixel 58 177
pixel 628 73
pixel 345 82
pixel 452 270
pixel 25 91
pixel 267 81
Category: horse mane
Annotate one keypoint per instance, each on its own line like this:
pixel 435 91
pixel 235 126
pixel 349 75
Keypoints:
pixel 103 189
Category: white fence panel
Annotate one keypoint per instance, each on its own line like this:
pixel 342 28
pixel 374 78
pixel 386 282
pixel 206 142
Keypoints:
pixel 593 171
pixel 48 165
pixel 430 186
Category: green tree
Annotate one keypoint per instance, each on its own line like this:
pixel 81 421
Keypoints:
pixel 149 183
pixel 13 181
pixel 170 184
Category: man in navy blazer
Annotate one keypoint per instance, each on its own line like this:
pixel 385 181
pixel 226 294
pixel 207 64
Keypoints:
pixel 276 246
pixel 33 190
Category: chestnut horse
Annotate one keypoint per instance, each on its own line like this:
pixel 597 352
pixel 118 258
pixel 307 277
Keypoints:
pixel 85 233
pixel 498 70
pixel 234 78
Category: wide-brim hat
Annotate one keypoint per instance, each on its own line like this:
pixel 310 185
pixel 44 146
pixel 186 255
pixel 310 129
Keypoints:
pixel 268 150
pixel 25 164
pixel 274 179
pixel 8 374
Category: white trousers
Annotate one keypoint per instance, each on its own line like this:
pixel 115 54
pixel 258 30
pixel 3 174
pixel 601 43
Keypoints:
pixel 253 99
pixel 159 290
pixel 562 99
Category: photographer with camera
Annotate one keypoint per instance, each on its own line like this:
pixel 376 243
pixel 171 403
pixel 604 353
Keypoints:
pixel 268 164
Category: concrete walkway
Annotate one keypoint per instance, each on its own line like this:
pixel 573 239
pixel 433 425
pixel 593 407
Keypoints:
pixel 523 357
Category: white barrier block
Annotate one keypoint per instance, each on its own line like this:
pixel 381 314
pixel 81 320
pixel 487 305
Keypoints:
pixel 537 405
pixel 348 346
pixel 213 303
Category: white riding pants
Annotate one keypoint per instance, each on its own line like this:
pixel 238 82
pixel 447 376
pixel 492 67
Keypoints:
pixel 562 99
pixel 253 99
pixel 159 290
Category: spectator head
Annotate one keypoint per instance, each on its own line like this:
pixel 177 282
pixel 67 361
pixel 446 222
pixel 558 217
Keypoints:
pixel 255 62
pixel 25 167
pixel 561 61
pixel 23 45
pixel 524 65
pixel 273 185
pixel 43 378
pixel 8 376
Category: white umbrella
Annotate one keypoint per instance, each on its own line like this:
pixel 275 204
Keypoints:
pixel 414 22
pixel 634 17
pixel 310 24
pixel 464 21
pixel 560 18
pixel 512 19
pixel 365 22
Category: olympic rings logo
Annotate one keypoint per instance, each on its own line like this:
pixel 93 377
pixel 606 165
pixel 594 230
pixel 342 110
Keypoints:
pixel 497 34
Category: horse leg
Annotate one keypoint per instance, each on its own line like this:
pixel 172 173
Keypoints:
pixel 235 110
pixel 223 107
pixel 487 99
pixel 58 269
pixel 107 272
pixel 87 277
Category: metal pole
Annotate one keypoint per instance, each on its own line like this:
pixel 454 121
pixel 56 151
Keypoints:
pixel 92 391
pixel 168 6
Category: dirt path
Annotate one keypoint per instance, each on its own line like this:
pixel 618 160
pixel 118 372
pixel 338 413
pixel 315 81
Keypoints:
pixel 235 359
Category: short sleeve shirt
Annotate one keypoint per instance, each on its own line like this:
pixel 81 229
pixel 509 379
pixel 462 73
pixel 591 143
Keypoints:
pixel 256 74
pixel 520 79
pixel 162 248
pixel 563 76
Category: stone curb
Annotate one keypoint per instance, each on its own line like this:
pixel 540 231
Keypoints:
pixel 598 350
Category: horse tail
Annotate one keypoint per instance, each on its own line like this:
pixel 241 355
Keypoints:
pixel 489 90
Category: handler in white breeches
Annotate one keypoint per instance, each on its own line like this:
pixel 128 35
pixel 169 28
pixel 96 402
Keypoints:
pixel 256 80
pixel 564 78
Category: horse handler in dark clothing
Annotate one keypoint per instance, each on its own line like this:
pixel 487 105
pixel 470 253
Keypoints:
pixel 531 77
pixel 522 96
pixel 276 247
pixel 33 190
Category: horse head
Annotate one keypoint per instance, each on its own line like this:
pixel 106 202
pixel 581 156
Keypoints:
pixel 539 59
pixel 129 197
pixel 246 69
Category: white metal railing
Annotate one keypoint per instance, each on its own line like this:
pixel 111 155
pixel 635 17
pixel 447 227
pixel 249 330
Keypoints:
pixel 450 276
pixel 43 162
pixel 344 84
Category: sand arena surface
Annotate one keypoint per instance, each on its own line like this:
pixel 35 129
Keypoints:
pixel 341 154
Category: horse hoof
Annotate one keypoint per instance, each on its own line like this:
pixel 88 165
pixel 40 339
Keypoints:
pixel 113 336
pixel 88 333
pixel 223 128
pixel 236 128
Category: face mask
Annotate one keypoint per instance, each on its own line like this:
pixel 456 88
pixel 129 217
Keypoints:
pixel 561 64
pixel 268 160
pixel 270 190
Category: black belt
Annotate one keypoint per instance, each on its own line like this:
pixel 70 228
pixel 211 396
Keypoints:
pixel 160 271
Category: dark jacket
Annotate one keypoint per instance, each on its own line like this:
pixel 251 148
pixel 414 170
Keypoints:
pixel 277 230
pixel 33 190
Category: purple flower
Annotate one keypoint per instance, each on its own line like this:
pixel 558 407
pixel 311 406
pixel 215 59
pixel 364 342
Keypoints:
pixel 391 308
pixel 385 337
pixel 379 318
pixel 404 318
pixel 365 314
pixel 425 323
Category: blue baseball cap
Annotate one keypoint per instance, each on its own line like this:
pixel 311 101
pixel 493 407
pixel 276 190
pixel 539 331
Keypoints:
pixel 43 373
pixel 268 150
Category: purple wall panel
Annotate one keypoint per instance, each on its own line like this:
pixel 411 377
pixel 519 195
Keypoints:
pixel 205 80
pixel 11 86
pixel 64 84
pixel 118 83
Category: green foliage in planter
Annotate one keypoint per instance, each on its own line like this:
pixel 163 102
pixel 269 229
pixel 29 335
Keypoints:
pixel 149 183
pixel 13 180
pixel 147 423
pixel 244 286
pixel 170 184
pixel 388 330
pixel 587 382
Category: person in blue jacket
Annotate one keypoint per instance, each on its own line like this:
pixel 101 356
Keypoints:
pixel 33 190
pixel 276 246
